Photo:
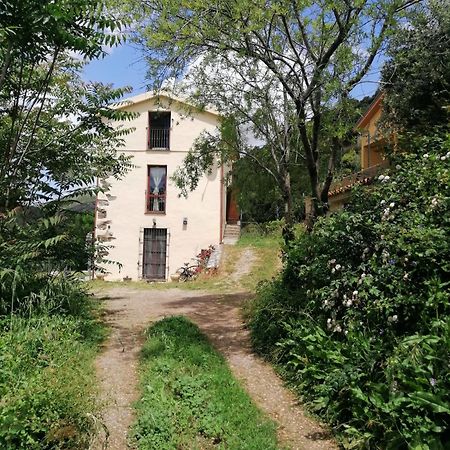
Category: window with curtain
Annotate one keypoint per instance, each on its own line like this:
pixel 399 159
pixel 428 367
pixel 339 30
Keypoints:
pixel 156 190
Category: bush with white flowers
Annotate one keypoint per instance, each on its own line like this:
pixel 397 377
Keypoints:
pixel 359 319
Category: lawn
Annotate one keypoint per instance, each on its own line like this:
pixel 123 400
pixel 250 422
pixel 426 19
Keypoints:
pixel 190 399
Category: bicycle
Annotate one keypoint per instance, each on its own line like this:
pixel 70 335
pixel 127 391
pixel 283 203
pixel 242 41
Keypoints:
pixel 187 272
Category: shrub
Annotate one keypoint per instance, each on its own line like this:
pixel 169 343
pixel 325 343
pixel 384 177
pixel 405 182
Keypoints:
pixel 46 388
pixel 359 319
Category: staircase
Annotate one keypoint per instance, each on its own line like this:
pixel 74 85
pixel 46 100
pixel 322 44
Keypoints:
pixel 231 234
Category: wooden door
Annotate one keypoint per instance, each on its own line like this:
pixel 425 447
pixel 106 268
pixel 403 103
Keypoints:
pixel 232 207
pixel 154 254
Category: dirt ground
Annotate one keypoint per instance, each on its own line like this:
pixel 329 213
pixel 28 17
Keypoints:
pixel 129 311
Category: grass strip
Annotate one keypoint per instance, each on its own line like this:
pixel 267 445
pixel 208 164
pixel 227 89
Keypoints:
pixel 190 399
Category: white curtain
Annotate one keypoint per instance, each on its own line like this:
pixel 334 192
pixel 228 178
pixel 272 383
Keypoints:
pixel 156 177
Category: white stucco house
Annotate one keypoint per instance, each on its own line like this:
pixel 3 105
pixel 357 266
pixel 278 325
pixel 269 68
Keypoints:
pixel 153 231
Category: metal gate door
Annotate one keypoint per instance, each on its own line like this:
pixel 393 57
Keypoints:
pixel 154 253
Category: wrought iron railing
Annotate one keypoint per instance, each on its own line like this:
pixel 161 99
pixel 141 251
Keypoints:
pixel 155 203
pixel 159 138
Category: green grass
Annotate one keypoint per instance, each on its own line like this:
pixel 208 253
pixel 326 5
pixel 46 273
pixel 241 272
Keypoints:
pixel 267 263
pixel 47 381
pixel 190 399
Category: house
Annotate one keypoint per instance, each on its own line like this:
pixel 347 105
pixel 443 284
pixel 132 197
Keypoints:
pixel 372 142
pixel 150 229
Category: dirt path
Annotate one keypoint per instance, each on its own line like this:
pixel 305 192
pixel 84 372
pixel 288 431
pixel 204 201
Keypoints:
pixel 243 265
pixel 129 311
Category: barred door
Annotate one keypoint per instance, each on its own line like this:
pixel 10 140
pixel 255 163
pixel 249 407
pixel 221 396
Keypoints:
pixel 155 251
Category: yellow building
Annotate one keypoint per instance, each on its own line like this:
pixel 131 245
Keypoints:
pixel 371 140
pixel 372 158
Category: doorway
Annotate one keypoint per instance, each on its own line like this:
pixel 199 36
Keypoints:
pixel 154 254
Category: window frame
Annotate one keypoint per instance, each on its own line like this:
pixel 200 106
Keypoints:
pixel 149 196
pixel 149 131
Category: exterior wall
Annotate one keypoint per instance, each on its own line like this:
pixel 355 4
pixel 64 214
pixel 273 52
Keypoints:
pixel 126 199
pixel 371 141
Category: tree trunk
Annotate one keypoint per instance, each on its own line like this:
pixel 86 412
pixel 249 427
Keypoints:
pixel 330 172
pixel 288 229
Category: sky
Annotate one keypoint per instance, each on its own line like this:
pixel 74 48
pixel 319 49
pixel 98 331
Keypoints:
pixel 125 66
pixel 122 66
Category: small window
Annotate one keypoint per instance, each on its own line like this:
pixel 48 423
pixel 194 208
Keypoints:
pixel 159 130
pixel 156 189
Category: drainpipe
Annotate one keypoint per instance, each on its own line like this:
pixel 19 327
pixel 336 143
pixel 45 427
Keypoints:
pixel 221 204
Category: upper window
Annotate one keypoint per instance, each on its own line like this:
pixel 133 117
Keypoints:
pixel 156 190
pixel 159 130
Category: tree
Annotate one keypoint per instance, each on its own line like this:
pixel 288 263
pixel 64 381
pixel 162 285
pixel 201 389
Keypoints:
pixel 318 52
pixel 53 136
pixel 416 77
pixel 57 135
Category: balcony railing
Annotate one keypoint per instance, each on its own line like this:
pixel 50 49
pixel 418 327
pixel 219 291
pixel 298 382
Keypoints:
pixel 159 138
pixel 155 203
pixel 364 176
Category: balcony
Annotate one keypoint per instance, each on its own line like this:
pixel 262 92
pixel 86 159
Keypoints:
pixel 362 177
pixel 158 138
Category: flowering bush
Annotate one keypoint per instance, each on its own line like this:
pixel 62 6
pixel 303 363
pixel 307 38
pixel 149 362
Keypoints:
pixel 359 319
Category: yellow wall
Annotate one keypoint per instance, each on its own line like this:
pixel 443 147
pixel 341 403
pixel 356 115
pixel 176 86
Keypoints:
pixel 371 142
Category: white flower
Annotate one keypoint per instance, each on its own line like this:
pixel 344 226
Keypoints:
pixel 338 328
pixel 394 318
pixel 434 202
pixel 328 320
pixel 391 205
pixel 443 158
pixel 355 293
pixel 382 236
pixel 426 155
pixel 338 267
pixel 386 178
pixel 345 296
pixel 332 261
pixel 398 166
pixel 325 302
pixel 382 202
pixel 349 303
pixel 406 276
pixel 346 332
pixel 333 270
pixel 363 275
pixel 381 177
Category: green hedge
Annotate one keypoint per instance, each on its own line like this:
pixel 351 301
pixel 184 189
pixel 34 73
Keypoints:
pixel 358 321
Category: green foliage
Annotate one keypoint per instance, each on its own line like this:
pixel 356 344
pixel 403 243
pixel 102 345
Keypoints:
pixel 279 67
pixel 190 399
pixel 359 320
pixel 416 77
pixel 47 377
pixel 57 138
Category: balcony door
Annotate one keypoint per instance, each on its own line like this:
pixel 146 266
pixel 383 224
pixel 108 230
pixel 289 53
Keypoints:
pixel 159 130
pixel 154 254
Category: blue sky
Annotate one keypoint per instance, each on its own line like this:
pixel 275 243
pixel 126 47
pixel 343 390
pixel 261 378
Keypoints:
pixel 122 66
pixel 125 66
